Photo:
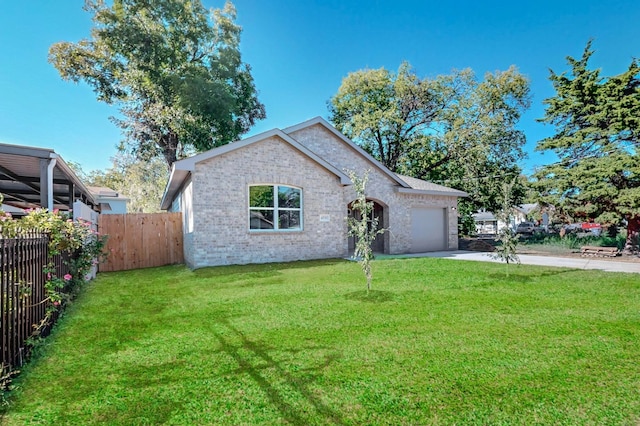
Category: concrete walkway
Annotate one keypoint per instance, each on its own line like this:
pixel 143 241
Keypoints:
pixel 528 259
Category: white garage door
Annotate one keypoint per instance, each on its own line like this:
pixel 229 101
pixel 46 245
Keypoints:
pixel 428 230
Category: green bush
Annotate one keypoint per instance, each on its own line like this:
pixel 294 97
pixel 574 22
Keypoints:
pixel 575 241
pixel 83 246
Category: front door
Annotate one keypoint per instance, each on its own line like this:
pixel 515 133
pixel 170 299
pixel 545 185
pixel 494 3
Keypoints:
pixel 378 243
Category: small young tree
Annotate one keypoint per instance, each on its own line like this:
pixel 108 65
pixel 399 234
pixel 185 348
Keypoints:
pixel 365 227
pixel 508 239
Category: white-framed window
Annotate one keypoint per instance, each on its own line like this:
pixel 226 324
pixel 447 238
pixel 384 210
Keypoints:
pixel 275 207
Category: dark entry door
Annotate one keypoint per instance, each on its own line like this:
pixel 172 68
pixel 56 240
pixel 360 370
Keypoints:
pixel 378 243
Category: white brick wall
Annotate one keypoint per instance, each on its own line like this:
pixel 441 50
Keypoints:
pixel 380 188
pixel 219 203
pixel 220 207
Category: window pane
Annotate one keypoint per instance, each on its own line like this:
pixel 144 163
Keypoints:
pixel 289 219
pixel 261 196
pixel 261 219
pixel 288 197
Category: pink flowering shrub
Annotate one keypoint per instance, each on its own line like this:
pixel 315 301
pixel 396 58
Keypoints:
pixel 82 246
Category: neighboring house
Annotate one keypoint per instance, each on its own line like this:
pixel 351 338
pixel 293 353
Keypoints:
pixel 488 224
pixel 284 195
pixel 109 201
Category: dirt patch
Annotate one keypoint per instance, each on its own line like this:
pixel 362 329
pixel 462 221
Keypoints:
pixel 472 244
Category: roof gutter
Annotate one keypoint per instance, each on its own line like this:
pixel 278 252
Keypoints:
pixel 453 193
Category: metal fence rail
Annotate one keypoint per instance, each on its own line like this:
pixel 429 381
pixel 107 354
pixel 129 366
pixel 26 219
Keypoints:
pixel 23 303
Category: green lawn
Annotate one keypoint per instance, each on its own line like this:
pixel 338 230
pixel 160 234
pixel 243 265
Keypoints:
pixel 437 342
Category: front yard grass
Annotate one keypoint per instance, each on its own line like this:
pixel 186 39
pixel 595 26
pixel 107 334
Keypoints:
pixel 436 342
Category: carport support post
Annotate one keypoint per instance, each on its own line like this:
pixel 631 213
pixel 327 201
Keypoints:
pixel 72 192
pixel 46 182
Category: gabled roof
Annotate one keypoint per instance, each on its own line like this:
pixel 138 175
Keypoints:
pixel 526 208
pixel 407 184
pixel 484 217
pixel 106 192
pixel 429 187
pixel 107 198
pixel 321 121
pixel 180 170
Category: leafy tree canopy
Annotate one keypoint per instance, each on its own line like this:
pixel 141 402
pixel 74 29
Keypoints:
pixel 597 138
pixel 174 70
pixel 452 129
pixel 142 181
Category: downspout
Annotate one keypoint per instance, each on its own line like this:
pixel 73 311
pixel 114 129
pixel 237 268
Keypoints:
pixel 46 182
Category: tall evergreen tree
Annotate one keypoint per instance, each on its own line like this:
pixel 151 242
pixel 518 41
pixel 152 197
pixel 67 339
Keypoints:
pixel 597 139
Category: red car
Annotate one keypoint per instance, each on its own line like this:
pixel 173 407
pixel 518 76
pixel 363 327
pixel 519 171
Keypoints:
pixel 594 228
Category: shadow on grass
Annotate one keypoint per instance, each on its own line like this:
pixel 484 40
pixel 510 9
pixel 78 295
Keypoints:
pixel 139 379
pixel 516 278
pixel 522 278
pixel 233 273
pixel 255 275
pixel 253 357
pixel 558 271
pixel 373 296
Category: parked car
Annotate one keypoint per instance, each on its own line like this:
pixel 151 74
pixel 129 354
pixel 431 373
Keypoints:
pixel 525 228
pixel 593 228
pixel 573 228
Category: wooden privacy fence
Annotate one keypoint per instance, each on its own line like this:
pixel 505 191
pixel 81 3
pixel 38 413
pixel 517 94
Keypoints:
pixel 141 240
pixel 23 300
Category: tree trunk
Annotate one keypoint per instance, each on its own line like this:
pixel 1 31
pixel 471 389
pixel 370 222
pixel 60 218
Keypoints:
pixel 633 232
pixel 169 145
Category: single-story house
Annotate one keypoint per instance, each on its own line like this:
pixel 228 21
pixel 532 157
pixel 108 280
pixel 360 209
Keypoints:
pixel 110 201
pixel 488 224
pixel 284 195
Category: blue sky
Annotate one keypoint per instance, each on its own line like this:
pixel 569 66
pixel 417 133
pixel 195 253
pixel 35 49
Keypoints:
pixel 299 52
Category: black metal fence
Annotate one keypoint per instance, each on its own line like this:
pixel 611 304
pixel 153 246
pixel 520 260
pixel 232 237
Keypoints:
pixel 23 299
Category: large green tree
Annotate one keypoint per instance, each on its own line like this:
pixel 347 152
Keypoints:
pixel 453 129
pixel 174 70
pixel 597 139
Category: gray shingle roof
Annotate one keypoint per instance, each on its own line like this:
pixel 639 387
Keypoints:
pixel 424 185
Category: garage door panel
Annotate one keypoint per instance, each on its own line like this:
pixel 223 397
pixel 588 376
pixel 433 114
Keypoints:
pixel 428 230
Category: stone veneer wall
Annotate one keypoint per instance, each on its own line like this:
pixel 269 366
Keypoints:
pixel 380 188
pixel 221 232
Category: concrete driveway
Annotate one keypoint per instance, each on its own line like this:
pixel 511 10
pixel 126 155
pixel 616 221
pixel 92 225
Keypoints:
pixel 528 259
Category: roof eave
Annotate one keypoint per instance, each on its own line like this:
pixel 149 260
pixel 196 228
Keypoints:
pixel 349 142
pixel 175 182
pixel 181 169
pixel 452 193
pixel 27 151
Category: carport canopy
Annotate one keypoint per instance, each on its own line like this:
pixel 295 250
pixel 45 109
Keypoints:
pixel 38 177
